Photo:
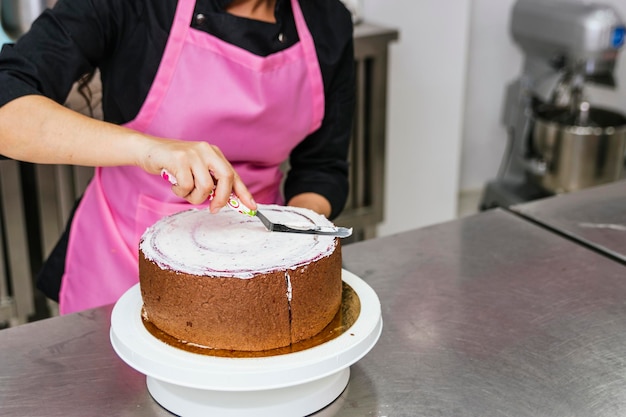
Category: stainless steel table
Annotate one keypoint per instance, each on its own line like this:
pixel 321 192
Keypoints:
pixel 489 315
pixel 593 216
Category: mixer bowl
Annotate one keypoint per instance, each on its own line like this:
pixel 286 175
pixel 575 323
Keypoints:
pixel 577 156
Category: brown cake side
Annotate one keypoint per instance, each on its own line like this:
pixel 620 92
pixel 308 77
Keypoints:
pixel 265 312
pixel 316 296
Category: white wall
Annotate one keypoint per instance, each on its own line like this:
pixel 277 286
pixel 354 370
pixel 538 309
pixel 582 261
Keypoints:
pixel 425 108
pixel 493 62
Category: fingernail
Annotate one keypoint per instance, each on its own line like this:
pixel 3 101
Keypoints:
pixel 168 177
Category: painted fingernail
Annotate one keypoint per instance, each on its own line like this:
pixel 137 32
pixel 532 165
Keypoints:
pixel 165 174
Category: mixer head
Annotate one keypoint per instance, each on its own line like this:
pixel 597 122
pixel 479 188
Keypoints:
pixel 567 42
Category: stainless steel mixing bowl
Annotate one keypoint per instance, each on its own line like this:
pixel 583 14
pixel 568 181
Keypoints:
pixel 577 152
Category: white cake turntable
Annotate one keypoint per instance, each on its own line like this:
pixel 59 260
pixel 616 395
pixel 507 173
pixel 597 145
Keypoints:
pixel 293 384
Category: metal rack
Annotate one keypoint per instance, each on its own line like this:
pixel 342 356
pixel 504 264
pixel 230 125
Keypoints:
pixel 36 200
pixel 16 293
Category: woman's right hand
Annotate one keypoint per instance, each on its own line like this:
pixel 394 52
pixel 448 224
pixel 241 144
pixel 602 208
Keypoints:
pixel 199 168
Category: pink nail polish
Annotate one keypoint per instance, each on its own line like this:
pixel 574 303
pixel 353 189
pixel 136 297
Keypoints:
pixel 168 177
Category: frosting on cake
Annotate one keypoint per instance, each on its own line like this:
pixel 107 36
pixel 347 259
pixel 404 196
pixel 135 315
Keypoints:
pixel 198 242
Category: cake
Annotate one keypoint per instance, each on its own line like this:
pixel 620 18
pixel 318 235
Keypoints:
pixel 223 281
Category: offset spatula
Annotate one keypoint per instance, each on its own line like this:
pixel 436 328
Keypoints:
pixel 316 230
pixel 236 204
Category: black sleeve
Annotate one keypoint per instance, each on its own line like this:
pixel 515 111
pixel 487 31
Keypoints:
pixel 45 61
pixel 319 163
pixel 63 44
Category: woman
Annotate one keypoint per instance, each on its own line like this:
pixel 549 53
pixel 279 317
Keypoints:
pixel 219 93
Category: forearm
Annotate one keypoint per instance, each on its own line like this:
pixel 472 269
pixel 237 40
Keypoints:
pixel 37 129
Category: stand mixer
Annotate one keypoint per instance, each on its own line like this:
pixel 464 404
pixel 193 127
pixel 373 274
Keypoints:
pixel 558 141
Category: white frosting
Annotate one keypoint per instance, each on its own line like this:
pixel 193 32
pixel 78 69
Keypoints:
pixel 231 244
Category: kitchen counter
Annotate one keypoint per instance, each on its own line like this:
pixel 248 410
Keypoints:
pixel 488 315
pixel 594 216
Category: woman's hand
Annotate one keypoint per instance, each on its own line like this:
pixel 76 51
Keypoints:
pixel 198 168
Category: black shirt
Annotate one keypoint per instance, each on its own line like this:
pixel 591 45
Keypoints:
pixel 125 40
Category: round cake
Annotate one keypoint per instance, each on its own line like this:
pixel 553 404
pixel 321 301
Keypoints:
pixel 223 281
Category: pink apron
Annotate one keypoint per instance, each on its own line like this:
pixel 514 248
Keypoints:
pixel 256 109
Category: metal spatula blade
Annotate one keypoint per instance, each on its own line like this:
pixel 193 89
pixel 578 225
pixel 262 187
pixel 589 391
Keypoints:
pixel 341 232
